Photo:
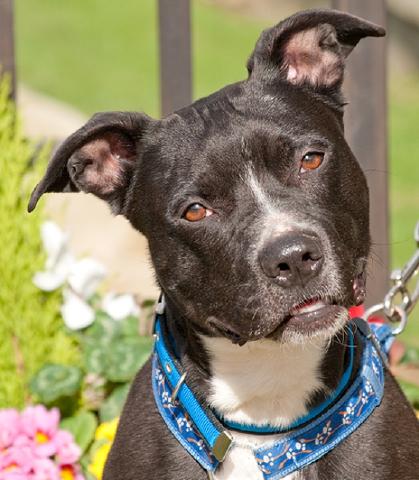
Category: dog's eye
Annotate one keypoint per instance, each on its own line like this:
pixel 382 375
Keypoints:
pixel 196 212
pixel 311 161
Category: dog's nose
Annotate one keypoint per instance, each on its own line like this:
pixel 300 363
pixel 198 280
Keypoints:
pixel 292 258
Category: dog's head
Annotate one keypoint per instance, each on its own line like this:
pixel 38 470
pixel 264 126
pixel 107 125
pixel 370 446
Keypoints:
pixel 255 209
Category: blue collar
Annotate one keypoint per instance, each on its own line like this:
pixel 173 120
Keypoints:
pixel 206 439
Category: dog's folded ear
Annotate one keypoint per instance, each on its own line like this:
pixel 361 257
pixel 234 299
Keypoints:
pixel 99 158
pixel 309 48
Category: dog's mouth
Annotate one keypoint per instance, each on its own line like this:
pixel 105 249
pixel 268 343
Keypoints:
pixel 313 316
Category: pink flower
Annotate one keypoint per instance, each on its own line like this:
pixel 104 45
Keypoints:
pixel 10 427
pixel 45 469
pixel 67 451
pixel 16 461
pixel 14 475
pixel 41 426
pixel 33 448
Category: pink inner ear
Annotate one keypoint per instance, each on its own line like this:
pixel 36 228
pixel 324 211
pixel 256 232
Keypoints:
pixel 107 158
pixel 314 56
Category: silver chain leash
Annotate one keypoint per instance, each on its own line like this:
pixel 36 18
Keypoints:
pixel 398 312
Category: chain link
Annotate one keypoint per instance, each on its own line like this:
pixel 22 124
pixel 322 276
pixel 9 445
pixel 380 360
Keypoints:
pixel 398 312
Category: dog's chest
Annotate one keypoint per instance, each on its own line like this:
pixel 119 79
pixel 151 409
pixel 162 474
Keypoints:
pixel 240 463
pixel 260 383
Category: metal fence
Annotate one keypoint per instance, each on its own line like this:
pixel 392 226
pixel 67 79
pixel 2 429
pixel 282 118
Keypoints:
pixel 365 86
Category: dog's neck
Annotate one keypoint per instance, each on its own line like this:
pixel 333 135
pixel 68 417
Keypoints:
pixel 261 382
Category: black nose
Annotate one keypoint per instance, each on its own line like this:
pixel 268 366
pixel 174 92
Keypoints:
pixel 292 258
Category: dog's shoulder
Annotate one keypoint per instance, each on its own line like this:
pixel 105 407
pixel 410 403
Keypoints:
pixel 144 449
pixel 384 447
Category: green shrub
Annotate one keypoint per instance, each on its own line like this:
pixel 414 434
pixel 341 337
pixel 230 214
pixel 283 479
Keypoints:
pixel 31 331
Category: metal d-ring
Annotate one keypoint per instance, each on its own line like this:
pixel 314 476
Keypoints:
pixel 401 313
pixel 403 320
pixel 389 308
pixel 178 385
pixel 374 309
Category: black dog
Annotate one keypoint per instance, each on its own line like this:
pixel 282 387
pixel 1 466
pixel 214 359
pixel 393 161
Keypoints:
pixel 256 214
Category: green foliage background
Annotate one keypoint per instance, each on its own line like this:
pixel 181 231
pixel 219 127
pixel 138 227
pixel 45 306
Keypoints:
pixel 31 331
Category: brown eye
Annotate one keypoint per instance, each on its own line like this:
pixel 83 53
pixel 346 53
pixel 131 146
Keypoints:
pixel 311 161
pixel 196 212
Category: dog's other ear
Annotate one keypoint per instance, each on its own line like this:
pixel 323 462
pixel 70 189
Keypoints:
pixel 99 158
pixel 309 48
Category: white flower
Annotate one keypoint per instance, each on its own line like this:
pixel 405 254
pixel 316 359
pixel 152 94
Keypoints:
pixel 350 409
pixel 83 279
pixel 59 259
pixel 120 306
pixel 85 276
pixel 327 428
pixel 188 426
pixel 291 454
pixel 347 416
pixel 76 312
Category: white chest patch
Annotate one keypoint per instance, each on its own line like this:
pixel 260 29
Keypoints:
pixel 260 383
pixel 241 464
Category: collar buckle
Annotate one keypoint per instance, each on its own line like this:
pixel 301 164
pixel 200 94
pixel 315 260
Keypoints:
pixel 222 445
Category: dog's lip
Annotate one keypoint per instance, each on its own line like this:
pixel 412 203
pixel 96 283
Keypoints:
pixel 310 318
pixel 308 306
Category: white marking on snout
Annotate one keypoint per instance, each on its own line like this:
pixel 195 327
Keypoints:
pixel 262 382
pixel 276 222
pixel 261 196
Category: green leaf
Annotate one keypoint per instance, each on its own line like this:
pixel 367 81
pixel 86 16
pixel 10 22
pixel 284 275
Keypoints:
pixel 95 359
pixel 129 326
pixel 411 391
pixel 83 426
pixel 89 476
pixel 149 303
pixel 411 355
pixel 54 381
pixel 125 357
pixel 112 406
pixel 103 330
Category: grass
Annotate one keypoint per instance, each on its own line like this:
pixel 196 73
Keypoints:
pixel 404 178
pixel 97 56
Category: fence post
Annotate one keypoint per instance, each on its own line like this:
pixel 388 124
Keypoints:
pixel 366 131
pixel 7 54
pixel 175 54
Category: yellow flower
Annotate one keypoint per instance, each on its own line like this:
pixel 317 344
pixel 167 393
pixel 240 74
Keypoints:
pixel 99 460
pixel 417 414
pixel 107 430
